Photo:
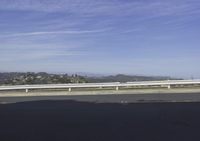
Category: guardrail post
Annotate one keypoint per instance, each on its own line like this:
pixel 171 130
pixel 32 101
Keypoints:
pixel 70 89
pixel 117 88
pixel 26 90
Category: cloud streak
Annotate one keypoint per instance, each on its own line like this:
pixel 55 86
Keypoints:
pixel 105 7
pixel 41 55
pixel 102 13
pixel 51 33
pixel 108 31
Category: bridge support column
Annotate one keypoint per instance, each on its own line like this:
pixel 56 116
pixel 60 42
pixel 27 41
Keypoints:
pixel 117 88
pixel 26 90
pixel 70 89
pixel 169 86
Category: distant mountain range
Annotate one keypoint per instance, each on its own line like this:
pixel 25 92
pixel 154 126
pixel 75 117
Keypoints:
pixel 18 78
pixel 126 78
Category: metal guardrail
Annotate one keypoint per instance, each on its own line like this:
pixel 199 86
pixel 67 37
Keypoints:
pixel 166 83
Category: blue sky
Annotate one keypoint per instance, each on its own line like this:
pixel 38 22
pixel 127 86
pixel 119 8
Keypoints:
pixel 142 37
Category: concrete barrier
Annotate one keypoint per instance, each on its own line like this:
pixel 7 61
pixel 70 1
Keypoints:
pixel 116 85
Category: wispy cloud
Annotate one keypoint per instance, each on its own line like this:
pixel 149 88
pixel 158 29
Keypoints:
pixel 81 31
pixel 102 13
pixel 135 30
pixel 50 33
pixel 15 56
pixel 94 7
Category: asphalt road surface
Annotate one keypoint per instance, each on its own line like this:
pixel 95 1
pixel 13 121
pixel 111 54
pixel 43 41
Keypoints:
pixel 152 117
pixel 114 98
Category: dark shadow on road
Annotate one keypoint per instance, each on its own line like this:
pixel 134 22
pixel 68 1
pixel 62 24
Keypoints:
pixel 84 121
